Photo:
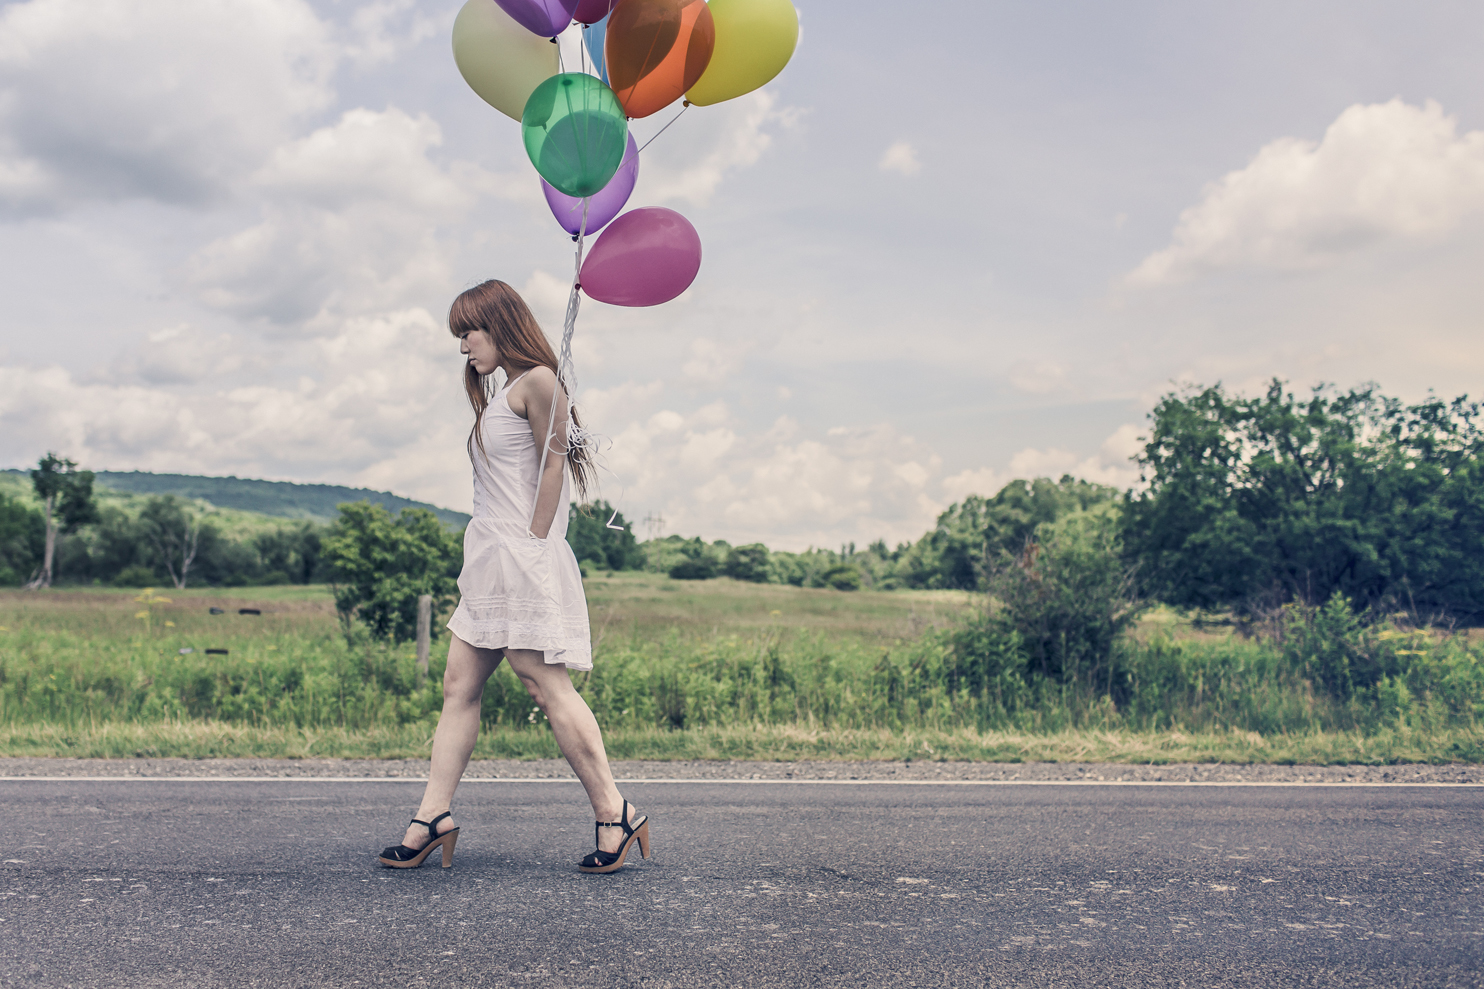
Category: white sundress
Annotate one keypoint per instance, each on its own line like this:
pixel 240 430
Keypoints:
pixel 518 591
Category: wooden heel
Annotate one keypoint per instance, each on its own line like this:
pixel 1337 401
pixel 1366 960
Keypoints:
pixel 449 840
pixel 643 835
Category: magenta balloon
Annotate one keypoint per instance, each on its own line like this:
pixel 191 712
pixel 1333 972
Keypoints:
pixel 593 11
pixel 547 18
pixel 645 257
pixel 602 206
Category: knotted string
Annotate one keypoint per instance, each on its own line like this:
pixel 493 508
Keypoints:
pixel 578 437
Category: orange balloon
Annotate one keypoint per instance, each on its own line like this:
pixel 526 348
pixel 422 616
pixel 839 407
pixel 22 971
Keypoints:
pixel 655 50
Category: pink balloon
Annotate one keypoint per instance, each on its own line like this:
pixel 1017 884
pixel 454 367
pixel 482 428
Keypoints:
pixel 645 257
pixel 547 18
pixel 593 11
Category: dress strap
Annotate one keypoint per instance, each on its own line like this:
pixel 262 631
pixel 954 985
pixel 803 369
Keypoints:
pixel 511 383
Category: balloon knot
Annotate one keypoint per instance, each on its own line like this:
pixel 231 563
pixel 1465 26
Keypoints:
pixel 685 102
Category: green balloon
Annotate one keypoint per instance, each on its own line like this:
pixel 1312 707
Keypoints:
pixel 575 132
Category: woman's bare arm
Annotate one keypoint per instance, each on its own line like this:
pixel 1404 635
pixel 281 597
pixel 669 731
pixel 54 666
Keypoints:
pixel 531 397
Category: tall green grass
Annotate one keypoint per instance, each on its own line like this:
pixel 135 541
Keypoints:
pixel 716 673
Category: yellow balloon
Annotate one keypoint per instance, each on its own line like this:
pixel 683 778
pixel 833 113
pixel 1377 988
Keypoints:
pixel 499 59
pixel 754 41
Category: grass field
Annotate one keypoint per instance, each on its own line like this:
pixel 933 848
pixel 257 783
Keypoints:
pixel 704 669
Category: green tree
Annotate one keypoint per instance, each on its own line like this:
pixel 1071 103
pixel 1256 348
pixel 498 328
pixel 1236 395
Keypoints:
pixel 66 495
pixel 1060 605
pixel 22 540
pixel 748 562
pixel 601 536
pixel 697 561
pixel 842 577
pixel 381 565
pixel 175 531
pixel 1254 502
pixel 291 554
pixel 972 535
pixel 1069 595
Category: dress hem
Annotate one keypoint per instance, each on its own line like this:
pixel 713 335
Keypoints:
pixel 574 655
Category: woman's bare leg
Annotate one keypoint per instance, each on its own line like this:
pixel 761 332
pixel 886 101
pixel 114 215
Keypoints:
pixel 577 735
pixel 469 667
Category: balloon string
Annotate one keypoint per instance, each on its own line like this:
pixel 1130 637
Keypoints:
pixel 656 136
pixel 566 378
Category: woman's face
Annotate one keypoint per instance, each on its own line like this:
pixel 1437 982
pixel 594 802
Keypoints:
pixel 480 350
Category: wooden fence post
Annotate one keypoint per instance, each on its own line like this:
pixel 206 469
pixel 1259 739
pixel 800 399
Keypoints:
pixel 424 635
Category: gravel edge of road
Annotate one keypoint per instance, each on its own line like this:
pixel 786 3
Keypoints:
pixel 541 769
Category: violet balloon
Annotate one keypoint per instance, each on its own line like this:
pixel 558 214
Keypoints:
pixel 645 257
pixel 603 205
pixel 593 11
pixel 547 18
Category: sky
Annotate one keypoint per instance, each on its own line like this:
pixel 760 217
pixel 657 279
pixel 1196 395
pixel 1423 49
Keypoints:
pixel 951 245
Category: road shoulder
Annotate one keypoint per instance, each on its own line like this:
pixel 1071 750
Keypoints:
pixel 802 771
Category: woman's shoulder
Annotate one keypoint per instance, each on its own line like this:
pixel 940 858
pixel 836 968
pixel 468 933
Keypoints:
pixel 538 375
pixel 534 385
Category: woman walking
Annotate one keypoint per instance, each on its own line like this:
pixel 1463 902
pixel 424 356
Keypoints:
pixel 521 595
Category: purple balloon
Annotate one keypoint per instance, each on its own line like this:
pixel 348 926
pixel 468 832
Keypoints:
pixel 547 18
pixel 647 256
pixel 603 205
pixel 593 11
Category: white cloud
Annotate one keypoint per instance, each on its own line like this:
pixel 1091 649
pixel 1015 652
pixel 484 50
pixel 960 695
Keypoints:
pixel 901 158
pixel 548 295
pixel 691 159
pixel 381 30
pixel 619 404
pixel 385 409
pixel 182 355
pixel 370 155
pixel 351 220
pixel 1110 465
pixel 707 474
pixel 171 100
pixel 1038 377
pixel 1386 172
pixel 712 362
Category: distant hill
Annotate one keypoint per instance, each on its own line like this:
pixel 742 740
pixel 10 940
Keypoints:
pixel 283 499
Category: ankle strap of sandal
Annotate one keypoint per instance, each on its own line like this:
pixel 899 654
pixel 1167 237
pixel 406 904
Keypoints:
pixel 432 825
pixel 622 823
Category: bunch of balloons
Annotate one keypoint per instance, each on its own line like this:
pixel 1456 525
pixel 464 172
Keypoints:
pixel 646 55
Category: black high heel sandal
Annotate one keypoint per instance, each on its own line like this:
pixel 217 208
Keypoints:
pixel 601 861
pixel 402 857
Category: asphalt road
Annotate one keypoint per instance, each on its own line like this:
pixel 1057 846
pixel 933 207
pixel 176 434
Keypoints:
pixel 200 883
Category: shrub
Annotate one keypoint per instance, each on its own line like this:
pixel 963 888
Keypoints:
pixel 135 575
pixel 383 565
pixel 1336 649
pixel 842 578
pixel 694 568
pixel 747 563
pixel 1068 597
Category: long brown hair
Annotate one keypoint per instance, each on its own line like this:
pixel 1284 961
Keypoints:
pixel 497 309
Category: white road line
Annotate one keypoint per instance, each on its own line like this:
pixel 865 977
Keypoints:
pixel 1340 784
